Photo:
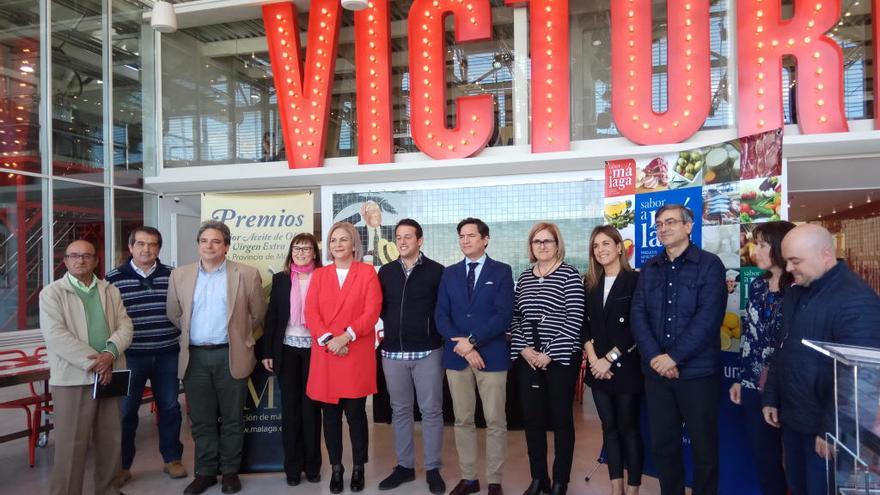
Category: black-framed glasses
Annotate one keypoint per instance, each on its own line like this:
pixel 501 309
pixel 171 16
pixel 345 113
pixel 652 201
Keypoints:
pixel 543 242
pixel 669 222
pixel 80 256
pixel 301 249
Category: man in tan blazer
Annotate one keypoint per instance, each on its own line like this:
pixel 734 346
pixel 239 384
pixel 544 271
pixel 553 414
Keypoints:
pixel 216 303
pixel 86 329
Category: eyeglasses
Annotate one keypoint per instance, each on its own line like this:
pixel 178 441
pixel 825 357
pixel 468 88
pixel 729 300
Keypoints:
pixel 543 242
pixel 80 256
pixel 669 222
pixel 301 249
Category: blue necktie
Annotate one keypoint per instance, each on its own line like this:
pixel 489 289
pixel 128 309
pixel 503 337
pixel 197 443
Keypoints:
pixel 471 278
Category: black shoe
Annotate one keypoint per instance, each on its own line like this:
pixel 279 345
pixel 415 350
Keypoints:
pixel 537 487
pixel 313 478
pixel 435 481
pixel 357 478
pixel 231 483
pixel 336 481
pixel 559 489
pixel 200 484
pixel 397 477
pixel 464 487
pixel 294 480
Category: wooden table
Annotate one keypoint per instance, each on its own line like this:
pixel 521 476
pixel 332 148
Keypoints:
pixel 24 370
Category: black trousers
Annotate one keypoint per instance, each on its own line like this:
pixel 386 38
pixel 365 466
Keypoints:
pixel 300 415
pixel 621 435
pixel 548 405
pixel 356 415
pixel 694 402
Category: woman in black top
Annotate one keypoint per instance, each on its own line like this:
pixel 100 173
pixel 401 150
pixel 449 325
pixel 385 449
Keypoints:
pixel 287 351
pixel 615 376
pixel 547 317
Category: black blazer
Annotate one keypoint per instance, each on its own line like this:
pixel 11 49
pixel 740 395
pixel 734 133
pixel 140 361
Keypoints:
pixel 277 316
pixel 609 326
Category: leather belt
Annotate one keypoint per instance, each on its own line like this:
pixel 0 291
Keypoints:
pixel 209 347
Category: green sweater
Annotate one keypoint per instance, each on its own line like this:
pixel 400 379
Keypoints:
pixel 96 320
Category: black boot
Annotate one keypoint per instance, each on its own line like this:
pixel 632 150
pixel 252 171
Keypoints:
pixel 537 487
pixel 559 489
pixel 357 478
pixel 336 481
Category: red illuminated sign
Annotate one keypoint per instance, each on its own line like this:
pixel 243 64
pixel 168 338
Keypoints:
pixel 763 38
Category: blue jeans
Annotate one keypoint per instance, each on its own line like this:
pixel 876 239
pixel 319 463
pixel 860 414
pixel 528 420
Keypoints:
pixel 766 443
pixel 804 469
pixel 161 370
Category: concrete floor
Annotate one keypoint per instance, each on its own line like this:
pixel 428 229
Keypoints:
pixel 17 477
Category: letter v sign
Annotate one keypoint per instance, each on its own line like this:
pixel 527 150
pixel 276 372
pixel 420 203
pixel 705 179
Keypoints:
pixel 303 92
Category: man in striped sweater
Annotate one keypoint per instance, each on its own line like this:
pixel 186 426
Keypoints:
pixel 143 283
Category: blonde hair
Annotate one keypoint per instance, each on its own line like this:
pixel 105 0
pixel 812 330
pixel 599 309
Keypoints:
pixel 355 239
pixel 596 271
pixel 557 236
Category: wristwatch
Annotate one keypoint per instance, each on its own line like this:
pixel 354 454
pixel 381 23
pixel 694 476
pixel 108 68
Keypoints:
pixel 614 356
pixel 472 341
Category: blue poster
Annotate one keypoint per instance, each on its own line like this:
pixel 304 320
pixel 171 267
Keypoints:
pixel 647 243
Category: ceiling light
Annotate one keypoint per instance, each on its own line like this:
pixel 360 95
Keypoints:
pixel 834 210
pixel 27 68
pixel 354 4
pixel 163 18
pixel 850 205
pixel 869 198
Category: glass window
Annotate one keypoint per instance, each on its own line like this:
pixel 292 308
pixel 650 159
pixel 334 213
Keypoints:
pixel 79 214
pixel 591 69
pixel 128 149
pixel 77 90
pixel 129 214
pixel 21 251
pixel 20 85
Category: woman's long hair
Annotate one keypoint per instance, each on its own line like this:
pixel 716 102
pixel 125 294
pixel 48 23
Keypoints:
pixel 772 233
pixel 301 238
pixel 596 271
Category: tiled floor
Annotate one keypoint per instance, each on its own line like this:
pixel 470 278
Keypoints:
pixel 16 477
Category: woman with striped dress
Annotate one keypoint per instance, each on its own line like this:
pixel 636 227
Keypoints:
pixel 545 347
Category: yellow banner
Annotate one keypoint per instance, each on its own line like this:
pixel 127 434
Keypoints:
pixel 262 226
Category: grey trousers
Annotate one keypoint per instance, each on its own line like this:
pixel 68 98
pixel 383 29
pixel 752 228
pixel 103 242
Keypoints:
pixel 85 426
pixel 426 376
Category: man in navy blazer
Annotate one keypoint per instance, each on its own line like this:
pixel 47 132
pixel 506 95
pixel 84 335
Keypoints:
pixel 474 308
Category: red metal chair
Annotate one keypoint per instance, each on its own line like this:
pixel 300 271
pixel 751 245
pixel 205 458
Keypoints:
pixel 580 384
pixel 39 402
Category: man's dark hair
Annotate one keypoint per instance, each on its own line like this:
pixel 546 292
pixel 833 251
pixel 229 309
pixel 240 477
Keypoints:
pixel 153 231
pixel 409 222
pixel 687 215
pixel 216 225
pixel 482 228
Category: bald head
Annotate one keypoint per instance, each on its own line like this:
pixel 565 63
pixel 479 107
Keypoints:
pixel 809 253
pixel 80 258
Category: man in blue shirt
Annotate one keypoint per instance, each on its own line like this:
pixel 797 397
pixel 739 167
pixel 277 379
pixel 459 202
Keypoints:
pixel 677 311
pixel 474 308
pixel 216 303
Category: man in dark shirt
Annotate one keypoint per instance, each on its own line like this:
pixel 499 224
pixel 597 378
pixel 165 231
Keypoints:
pixel 828 303
pixel 677 311
pixel 411 355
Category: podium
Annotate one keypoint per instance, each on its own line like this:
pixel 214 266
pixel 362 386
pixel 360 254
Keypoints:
pixel 855 466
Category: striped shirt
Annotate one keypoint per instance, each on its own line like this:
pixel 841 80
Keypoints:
pixel 556 305
pixel 144 300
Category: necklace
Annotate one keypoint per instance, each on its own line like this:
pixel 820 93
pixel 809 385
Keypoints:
pixel 542 274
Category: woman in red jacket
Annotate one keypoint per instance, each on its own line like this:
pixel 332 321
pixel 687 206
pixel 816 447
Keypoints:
pixel 342 308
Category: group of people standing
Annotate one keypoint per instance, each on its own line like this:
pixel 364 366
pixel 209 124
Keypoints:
pixel 647 337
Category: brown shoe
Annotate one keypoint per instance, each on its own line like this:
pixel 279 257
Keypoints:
pixel 231 483
pixel 495 489
pixel 175 469
pixel 466 487
pixel 121 478
pixel 200 484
